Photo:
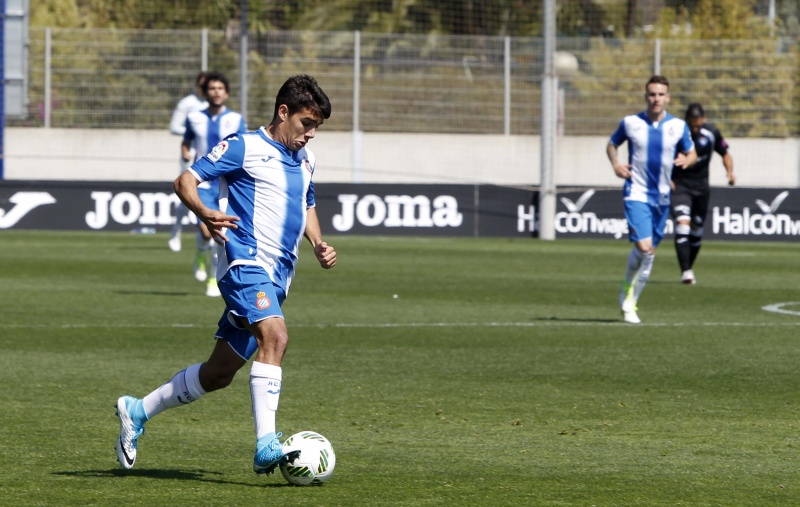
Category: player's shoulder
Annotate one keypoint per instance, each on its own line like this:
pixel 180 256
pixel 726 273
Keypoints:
pixel 198 114
pixel 674 120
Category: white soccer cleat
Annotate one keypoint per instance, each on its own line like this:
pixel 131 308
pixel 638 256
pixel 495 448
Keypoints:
pixel 174 243
pixel 200 273
pixel 131 426
pixel 630 316
pixel 688 277
pixel 212 290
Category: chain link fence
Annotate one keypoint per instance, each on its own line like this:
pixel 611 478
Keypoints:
pixel 409 83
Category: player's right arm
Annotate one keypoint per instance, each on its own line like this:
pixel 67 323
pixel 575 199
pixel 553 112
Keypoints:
pixel 617 138
pixel 621 170
pixel 185 187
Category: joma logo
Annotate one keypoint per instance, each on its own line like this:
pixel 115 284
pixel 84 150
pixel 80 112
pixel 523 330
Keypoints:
pixel 397 211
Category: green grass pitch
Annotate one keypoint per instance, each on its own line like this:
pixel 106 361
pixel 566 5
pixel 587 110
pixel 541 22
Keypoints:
pixel 499 375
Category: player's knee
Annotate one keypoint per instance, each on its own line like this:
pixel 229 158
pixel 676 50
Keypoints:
pixel 214 376
pixel 219 380
pixel 696 232
pixel 682 229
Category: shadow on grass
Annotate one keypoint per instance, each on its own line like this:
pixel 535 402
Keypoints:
pixel 573 319
pixel 168 474
pixel 155 293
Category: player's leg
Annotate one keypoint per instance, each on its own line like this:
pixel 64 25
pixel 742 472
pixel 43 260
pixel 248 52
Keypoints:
pixel 180 212
pixel 640 260
pixel 212 289
pixel 202 248
pixel 699 213
pixel 186 386
pixel 255 305
pixel 681 210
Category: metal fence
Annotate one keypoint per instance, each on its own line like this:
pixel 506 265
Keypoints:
pixel 409 83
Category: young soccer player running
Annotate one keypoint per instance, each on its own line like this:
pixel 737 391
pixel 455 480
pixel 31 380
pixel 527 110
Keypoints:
pixel 657 141
pixel 265 179
pixel 691 192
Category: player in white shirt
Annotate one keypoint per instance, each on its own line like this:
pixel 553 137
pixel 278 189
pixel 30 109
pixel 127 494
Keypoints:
pixel 657 141
pixel 204 130
pixel 267 208
pixel 177 126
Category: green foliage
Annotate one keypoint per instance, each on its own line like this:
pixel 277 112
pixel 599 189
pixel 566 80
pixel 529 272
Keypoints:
pixel 510 386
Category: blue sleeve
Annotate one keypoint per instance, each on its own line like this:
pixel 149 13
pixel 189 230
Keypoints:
pixel 225 157
pixel 686 144
pixel 242 126
pixel 619 136
pixel 310 200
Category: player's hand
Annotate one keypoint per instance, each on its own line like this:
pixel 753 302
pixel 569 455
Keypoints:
pixel 326 255
pixel 732 180
pixel 217 222
pixel 681 161
pixel 623 170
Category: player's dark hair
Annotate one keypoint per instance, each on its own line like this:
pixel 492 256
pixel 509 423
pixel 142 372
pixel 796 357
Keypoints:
pixel 201 78
pixel 215 76
pixel 303 92
pixel 657 80
pixel 694 111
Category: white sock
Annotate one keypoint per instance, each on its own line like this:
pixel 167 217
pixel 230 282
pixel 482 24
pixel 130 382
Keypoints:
pixel 265 390
pixel 182 389
pixel 634 262
pixel 631 271
pixel 643 275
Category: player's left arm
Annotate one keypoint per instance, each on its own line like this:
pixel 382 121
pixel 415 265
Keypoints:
pixel 727 161
pixel 721 147
pixel 325 253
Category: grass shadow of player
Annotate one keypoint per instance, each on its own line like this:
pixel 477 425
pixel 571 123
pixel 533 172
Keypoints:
pixel 167 474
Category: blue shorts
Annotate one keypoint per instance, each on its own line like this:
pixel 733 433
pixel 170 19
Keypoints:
pixel 249 296
pixel 645 221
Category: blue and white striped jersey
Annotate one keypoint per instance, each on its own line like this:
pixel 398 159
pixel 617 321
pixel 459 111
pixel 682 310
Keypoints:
pixel 652 148
pixel 205 132
pixel 269 188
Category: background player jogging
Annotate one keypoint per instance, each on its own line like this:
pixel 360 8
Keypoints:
pixel 691 190
pixel 657 141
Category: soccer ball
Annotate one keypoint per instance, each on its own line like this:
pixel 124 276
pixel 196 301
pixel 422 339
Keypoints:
pixel 315 463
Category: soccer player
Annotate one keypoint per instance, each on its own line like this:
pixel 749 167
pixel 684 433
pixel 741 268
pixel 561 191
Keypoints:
pixel 204 130
pixel 265 181
pixel 657 141
pixel 691 191
pixel 177 126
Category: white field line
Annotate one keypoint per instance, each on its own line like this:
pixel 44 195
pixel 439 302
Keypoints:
pixel 407 325
pixel 781 308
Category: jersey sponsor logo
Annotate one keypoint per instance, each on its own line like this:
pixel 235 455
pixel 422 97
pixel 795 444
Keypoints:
pixel 23 203
pixel 767 223
pixel 307 165
pixel 218 151
pixel 397 211
pixel 270 157
pixel 262 301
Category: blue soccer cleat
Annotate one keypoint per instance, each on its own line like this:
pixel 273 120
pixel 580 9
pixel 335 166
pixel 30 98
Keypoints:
pixel 131 415
pixel 269 454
